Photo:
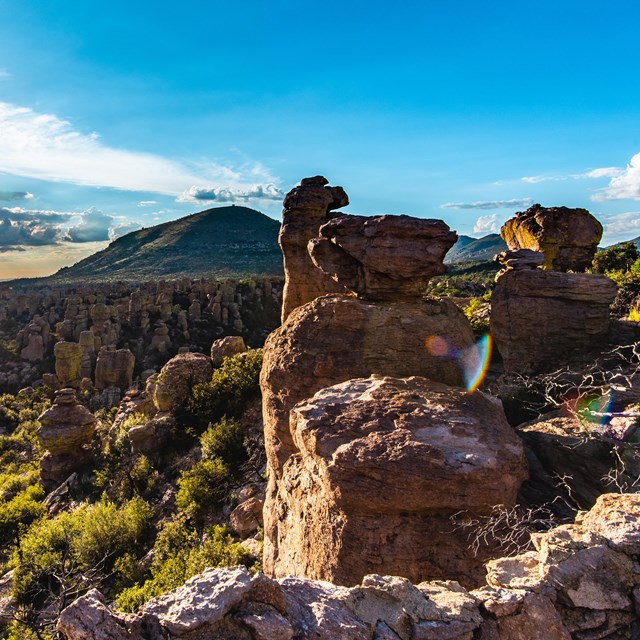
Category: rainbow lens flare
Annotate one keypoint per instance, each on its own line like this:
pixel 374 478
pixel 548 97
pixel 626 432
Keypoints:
pixel 475 362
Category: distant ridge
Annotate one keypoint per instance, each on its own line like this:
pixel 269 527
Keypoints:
pixel 224 242
pixel 469 249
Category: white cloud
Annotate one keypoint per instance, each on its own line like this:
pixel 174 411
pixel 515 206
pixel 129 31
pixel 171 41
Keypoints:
pixel 624 185
pixel 46 147
pixel 93 226
pixel 147 203
pixel 602 172
pixel 9 196
pixel 218 194
pixel 121 229
pixel 487 224
pixel 20 227
pixel 5 74
pixel 537 179
pixel 628 222
pixel 489 204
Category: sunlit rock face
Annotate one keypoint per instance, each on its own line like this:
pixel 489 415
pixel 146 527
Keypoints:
pixel 336 338
pixel 382 257
pixel 568 238
pixel 306 208
pixel 66 427
pixel 541 320
pixel 114 368
pixel 382 465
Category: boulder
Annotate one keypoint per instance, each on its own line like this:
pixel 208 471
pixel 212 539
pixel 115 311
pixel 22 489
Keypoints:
pixel 382 465
pixel 543 320
pixel 382 257
pixel 68 362
pixel 568 238
pixel 114 368
pixel 336 338
pixel 225 348
pixel 177 378
pixel 306 208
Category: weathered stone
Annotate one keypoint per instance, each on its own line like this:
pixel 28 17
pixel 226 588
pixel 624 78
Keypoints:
pixel 520 259
pixel 336 338
pixel 382 465
pixel 382 257
pixel 247 516
pixel 202 601
pixel 306 208
pixel 542 320
pixel 68 362
pixel 225 348
pixel 66 425
pixel 567 237
pixel 178 377
pixel 537 619
pixel 616 517
pixel 114 368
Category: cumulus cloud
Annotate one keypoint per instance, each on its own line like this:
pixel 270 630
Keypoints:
pixel 487 224
pixel 27 230
pixel 602 172
pixel 227 194
pixel 12 196
pixel 628 222
pixel 94 226
pixel 46 147
pixel 122 228
pixel 5 74
pixel 624 185
pixel 489 204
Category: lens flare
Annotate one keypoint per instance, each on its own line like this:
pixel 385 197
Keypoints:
pixel 475 362
pixel 439 347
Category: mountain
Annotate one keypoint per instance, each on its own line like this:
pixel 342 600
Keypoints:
pixel 225 242
pixel 469 249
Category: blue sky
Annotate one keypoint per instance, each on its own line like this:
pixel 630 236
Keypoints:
pixel 116 115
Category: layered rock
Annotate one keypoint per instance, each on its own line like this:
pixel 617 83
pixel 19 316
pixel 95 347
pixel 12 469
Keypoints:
pixel 66 428
pixel 225 348
pixel 306 208
pixel 542 320
pixel 114 368
pixel 580 581
pixel 68 363
pixel 383 464
pixel 177 378
pixel 382 257
pixel 336 338
pixel 568 238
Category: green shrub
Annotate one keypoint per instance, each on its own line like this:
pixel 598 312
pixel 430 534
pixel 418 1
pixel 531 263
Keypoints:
pixel 618 258
pixel 179 556
pixel 474 312
pixel 224 440
pixel 235 382
pixel 203 488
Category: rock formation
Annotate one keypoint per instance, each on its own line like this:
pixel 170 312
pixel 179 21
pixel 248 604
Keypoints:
pixel 382 257
pixel 568 238
pixel 225 348
pixel 386 329
pixel 306 208
pixel 114 368
pixel 68 363
pixel 178 376
pixel 66 427
pixel 383 464
pixel 336 338
pixel 580 581
pixel 542 320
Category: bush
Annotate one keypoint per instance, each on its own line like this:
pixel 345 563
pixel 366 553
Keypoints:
pixel 178 556
pixel 232 385
pixel 477 314
pixel 224 440
pixel 618 258
pixel 203 488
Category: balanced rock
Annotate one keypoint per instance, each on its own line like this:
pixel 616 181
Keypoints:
pixel 382 257
pixel 225 348
pixel 306 208
pixel 66 427
pixel 542 320
pixel 568 238
pixel 177 378
pixel 68 362
pixel 336 338
pixel 114 368
pixel 382 465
